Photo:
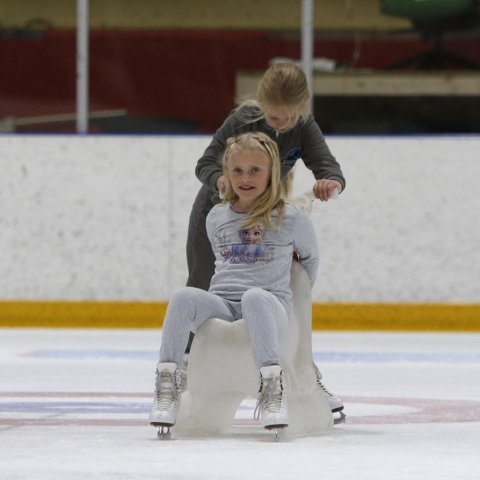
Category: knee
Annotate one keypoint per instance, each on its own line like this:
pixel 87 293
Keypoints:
pixel 183 295
pixel 254 296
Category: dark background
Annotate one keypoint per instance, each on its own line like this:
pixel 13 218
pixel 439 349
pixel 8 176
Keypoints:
pixel 183 80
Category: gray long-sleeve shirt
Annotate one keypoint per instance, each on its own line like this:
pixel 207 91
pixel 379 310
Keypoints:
pixel 259 257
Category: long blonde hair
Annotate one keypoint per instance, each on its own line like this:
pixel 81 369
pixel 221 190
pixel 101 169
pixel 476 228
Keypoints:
pixel 282 84
pixel 273 198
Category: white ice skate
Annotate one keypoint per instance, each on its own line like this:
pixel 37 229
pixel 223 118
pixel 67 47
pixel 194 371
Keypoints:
pixel 167 398
pixel 272 399
pixel 336 405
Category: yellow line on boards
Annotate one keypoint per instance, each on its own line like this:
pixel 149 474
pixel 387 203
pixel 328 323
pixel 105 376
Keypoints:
pixel 82 314
pixel 396 317
pixel 325 316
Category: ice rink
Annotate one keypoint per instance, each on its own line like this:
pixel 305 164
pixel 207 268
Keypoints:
pixel 74 405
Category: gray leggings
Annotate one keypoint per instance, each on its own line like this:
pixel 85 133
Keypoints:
pixel 265 316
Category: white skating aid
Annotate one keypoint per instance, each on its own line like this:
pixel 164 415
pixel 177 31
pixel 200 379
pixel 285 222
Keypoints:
pixel 222 373
pixel 305 200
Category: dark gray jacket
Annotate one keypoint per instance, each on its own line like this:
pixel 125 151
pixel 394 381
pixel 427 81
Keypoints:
pixel 304 141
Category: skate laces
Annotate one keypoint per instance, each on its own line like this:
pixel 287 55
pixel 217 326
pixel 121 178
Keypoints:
pixel 166 389
pixel 319 384
pixel 270 399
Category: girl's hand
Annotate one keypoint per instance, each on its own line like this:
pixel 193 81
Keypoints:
pixel 325 189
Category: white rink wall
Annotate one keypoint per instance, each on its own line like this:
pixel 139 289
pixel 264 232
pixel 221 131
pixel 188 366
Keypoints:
pixel 105 218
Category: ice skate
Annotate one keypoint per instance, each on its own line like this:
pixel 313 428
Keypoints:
pixel 167 398
pixel 336 405
pixel 272 399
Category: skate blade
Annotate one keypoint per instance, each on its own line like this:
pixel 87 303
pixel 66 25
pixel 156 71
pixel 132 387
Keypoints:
pixel 163 430
pixel 275 429
pixel 339 417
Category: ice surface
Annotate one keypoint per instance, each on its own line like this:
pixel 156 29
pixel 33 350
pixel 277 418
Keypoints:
pixel 74 404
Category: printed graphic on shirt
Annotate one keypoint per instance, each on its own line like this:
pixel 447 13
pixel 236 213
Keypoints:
pixel 250 250
pixel 292 156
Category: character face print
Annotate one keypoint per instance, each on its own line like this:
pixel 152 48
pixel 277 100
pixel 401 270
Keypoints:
pixel 250 250
pixel 251 235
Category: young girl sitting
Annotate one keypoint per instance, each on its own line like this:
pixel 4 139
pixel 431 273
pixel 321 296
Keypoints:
pixel 253 284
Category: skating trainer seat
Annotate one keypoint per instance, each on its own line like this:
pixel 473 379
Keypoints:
pixel 222 373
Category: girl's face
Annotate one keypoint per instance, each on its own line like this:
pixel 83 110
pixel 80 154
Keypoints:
pixel 248 172
pixel 281 118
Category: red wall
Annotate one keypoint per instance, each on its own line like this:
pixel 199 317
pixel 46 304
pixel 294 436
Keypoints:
pixel 165 74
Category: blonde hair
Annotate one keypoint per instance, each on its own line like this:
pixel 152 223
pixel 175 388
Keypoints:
pixel 282 84
pixel 275 195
